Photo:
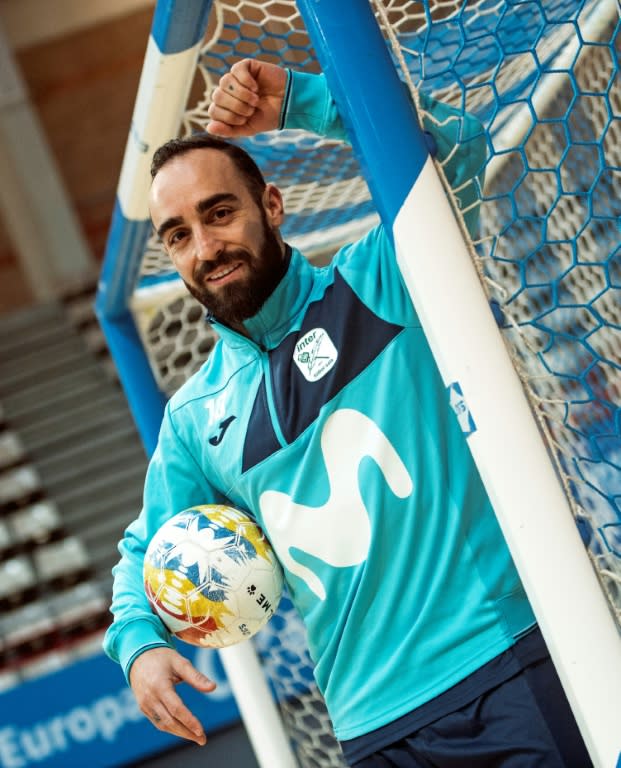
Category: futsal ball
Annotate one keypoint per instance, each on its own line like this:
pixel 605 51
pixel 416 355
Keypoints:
pixel 211 576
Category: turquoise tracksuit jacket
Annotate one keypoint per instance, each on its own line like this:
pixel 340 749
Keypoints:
pixel 333 428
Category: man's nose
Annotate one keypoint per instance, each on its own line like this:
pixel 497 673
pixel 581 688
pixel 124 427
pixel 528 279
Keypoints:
pixel 206 246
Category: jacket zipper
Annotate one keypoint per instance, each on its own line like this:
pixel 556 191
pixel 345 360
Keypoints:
pixel 265 364
pixel 271 405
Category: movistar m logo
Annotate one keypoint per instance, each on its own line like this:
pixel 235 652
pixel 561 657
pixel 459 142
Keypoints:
pixel 339 531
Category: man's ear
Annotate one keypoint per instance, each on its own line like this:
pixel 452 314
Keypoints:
pixel 273 205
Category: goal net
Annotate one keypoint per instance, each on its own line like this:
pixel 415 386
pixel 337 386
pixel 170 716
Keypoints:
pixel 543 80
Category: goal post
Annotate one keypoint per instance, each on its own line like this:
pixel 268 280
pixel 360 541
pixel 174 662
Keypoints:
pixel 502 433
pixel 170 61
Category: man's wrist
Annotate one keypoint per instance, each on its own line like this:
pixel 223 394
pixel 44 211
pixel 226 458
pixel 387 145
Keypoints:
pixel 138 636
pixel 285 101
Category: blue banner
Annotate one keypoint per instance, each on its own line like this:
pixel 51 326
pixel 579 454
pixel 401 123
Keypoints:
pixel 85 715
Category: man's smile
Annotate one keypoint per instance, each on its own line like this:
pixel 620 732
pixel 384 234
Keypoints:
pixel 221 275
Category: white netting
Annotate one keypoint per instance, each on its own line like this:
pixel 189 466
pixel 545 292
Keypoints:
pixel 543 79
pixel 550 238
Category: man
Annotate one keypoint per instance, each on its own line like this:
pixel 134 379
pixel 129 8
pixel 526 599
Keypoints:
pixel 340 440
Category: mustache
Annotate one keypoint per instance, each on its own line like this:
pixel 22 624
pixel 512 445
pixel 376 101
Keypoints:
pixel 206 268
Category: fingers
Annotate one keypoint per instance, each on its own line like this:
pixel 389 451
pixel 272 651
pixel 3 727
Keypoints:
pixel 170 713
pixel 172 716
pixel 244 73
pixel 233 103
pixel 248 99
pixel 236 96
pixel 153 677
pixel 185 671
pixel 220 129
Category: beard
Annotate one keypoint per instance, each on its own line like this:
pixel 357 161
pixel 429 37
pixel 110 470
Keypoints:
pixel 242 299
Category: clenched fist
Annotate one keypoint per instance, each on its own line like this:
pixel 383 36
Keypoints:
pixel 248 100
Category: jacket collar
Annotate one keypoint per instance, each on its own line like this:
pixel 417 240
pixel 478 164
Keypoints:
pixel 278 315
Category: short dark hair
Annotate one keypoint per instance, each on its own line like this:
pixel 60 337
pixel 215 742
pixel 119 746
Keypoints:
pixel 242 160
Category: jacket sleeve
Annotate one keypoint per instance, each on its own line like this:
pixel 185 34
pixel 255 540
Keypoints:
pixel 174 482
pixel 456 139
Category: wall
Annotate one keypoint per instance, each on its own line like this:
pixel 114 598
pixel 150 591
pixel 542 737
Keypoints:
pixel 82 72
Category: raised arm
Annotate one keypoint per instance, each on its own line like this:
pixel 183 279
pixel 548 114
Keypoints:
pixel 256 96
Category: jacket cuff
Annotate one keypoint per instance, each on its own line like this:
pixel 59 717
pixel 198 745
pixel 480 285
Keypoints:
pixel 308 105
pixel 139 636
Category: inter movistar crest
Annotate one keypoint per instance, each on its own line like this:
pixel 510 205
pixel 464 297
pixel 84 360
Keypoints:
pixel 315 354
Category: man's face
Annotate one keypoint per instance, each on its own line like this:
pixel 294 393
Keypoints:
pixel 225 246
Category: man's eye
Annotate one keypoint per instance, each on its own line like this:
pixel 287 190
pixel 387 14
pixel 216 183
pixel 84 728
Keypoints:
pixel 221 213
pixel 176 237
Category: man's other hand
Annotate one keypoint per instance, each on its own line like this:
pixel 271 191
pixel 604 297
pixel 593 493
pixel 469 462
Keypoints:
pixel 153 677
